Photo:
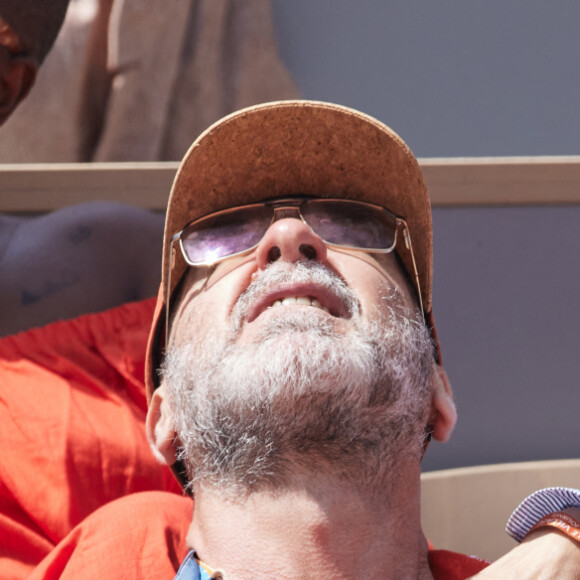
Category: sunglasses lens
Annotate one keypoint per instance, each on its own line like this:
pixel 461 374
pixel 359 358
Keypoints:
pixel 351 224
pixel 225 234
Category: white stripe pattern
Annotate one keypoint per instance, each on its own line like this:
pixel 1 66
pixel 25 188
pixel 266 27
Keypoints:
pixel 537 505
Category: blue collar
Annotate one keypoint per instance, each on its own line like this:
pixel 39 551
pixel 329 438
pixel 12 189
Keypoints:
pixel 192 569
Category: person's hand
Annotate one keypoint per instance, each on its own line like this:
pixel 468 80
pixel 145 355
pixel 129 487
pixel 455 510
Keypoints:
pixel 545 554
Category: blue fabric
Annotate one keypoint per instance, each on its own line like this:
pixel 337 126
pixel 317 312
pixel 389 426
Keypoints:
pixel 540 504
pixel 191 570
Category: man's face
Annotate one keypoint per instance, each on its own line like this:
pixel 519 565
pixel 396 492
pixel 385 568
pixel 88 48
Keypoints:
pixel 213 293
pixel 297 354
pixel 17 72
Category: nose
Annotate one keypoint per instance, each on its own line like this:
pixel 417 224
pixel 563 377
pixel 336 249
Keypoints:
pixel 290 240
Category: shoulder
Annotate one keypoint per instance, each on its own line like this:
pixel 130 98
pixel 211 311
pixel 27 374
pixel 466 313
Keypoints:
pixel 79 259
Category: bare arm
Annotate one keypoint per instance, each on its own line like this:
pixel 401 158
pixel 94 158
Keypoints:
pixel 543 555
pixel 546 553
pixel 77 260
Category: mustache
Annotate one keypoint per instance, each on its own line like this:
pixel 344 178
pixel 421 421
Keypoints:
pixel 279 273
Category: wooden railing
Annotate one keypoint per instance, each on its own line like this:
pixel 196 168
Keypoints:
pixel 452 182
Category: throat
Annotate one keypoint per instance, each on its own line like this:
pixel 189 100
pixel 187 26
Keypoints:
pixel 308 531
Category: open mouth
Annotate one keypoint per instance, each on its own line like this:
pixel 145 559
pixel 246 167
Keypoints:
pixel 300 295
pixel 302 301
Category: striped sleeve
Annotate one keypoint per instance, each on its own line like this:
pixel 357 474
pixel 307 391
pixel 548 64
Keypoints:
pixel 537 505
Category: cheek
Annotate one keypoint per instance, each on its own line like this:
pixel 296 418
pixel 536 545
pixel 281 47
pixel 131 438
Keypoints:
pixel 236 271
pixel 205 311
pixel 375 284
pixel 378 292
pixel 196 317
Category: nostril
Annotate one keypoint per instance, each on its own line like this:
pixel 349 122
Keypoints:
pixel 274 254
pixel 307 251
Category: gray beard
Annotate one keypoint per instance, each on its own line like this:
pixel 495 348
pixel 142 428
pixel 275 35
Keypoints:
pixel 302 397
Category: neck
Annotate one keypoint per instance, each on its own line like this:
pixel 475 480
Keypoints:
pixel 315 528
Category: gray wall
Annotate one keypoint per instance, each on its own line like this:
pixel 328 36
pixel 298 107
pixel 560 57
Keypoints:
pixel 507 309
pixel 454 77
pixel 475 78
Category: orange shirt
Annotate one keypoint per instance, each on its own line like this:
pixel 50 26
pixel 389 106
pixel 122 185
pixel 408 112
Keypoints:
pixel 81 495
pixel 72 411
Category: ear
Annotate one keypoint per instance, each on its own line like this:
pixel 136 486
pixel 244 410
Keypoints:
pixel 17 75
pixel 160 432
pixel 443 413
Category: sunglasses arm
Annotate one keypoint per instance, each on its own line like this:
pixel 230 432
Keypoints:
pixel 170 260
pixel 409 246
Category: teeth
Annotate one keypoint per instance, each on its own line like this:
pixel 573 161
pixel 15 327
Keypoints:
pixel 302 300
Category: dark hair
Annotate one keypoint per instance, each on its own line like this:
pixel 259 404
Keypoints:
pixel 36 22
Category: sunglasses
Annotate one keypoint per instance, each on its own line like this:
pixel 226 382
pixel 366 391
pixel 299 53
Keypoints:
pixel 341 223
